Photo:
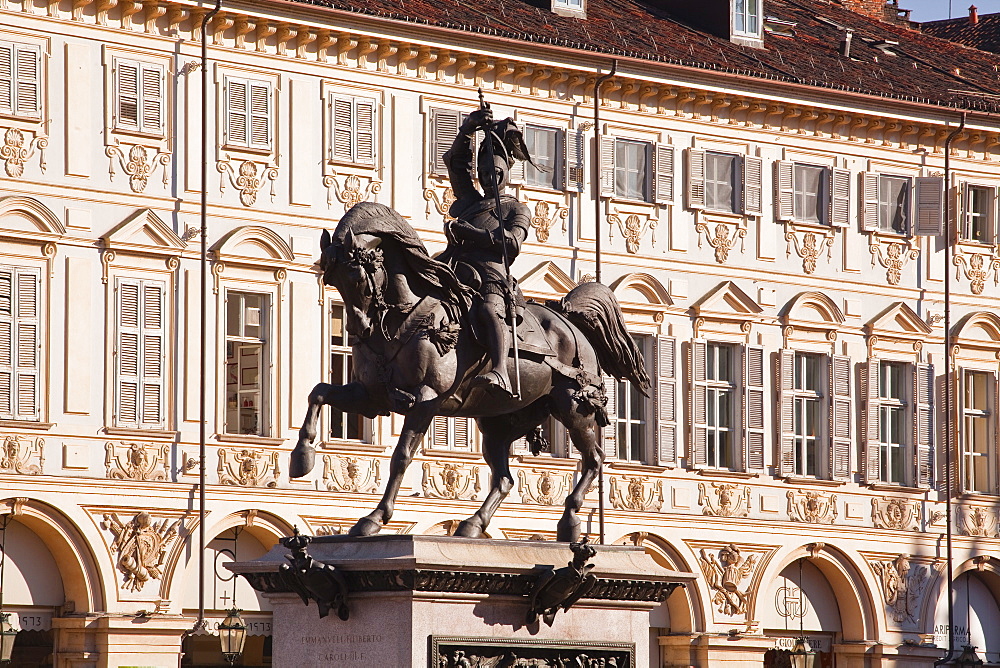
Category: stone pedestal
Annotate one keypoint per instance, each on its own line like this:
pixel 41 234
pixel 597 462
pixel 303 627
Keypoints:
pixel 433 601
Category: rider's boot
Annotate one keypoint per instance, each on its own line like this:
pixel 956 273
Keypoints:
pixel 496 380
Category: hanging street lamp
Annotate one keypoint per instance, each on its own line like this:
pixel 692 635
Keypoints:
pixel 967 659
pixel 802 655
pixel 232 635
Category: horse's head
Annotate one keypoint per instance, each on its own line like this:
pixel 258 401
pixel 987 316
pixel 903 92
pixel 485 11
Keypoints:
pixel 355 267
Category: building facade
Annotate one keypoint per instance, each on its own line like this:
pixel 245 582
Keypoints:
pixel 770 194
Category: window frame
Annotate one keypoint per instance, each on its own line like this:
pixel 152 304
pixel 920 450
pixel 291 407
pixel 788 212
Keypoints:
pixel 142 67
pixel 144 332
pixel 226 114
pixel 264 373
pixel 735 183
pixel 715 388
pixel 989 414
pixel 342 349
pixel 356 101
pixel 557 180
pixel 17 324
pixel 16 47
pixel 747 17
pixel 883 179
pixel 647 449
pixel 803 398
pixel 967 214
pixel 890 405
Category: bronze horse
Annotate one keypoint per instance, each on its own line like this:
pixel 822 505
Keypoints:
pixel 415 355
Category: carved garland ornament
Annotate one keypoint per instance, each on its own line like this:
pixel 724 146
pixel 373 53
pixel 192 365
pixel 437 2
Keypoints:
pixel 636 493
pixel 451 481
pixel 895 513
pixel 248 468
pixel 633 228
pixel 350 193
pixel 543 222
pixel 138 166
pixel 977 267
pixel 722 240
pixel 351 474
pixel 15 154
pixel 724 576
pixel 812 507
pixel 893 256
pixel 21 455
pixel 726 500
pixel 442 203
pixel 141 544
pixel 249 180
pixel 136 461
pixel 543 487
pixel 902 586
pixel 810 247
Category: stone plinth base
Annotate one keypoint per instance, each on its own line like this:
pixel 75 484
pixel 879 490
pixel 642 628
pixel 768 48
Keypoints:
pixel 432 601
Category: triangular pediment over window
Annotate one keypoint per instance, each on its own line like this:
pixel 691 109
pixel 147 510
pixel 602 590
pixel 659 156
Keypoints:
pixel 728 301
pixel 813 310
pixel 546 280
pixel 899 321
pixel 23 218
pixel 253 245
pixel 144 232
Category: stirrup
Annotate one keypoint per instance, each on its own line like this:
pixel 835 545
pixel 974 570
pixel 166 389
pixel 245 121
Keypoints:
pixel 493 382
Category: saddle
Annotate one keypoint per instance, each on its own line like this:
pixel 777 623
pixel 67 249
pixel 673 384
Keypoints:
pixel 531 337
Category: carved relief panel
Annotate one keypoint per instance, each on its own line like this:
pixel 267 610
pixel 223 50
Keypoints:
pixel 136 461
pixel 351 474
pixel 728 571
pixel 22 455
pixel 978 521
pixel 724 500
pixel 244 467
pixel 639 493
pixel 451 481
pixel 140 546
pixel 895 513
pixel 903 585
pixel 544 487
pixel 812 507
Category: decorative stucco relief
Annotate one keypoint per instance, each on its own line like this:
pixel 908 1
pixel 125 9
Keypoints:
pixel 895 513
pixel 22 455
pixel 451 481
pixel 903 585
pixel 633 228
pixel 812 507
pixel 636 493
pixel 722 238
pixel 248 178
pixel 977 268
pixel 136 461
pixel 138 165
pixel 725 576
pixel 347 189
pixel 15 154
pixel 724 500
pixel 543 487
pixel 141 546
pixel 244 467
pixel 893 255
pixel 442 201
pixel 977 521
pixel 543 221
pixel 351 474
pixel 809 245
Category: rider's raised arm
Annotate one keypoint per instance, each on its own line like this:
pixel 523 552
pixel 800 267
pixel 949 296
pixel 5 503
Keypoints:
pixel 461 162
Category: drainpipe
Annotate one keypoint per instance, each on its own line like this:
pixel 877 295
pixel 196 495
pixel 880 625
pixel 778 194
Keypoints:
pixel 949 387
pixel 597 252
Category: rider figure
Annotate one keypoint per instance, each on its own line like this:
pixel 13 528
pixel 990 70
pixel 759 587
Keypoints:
pixel 475 235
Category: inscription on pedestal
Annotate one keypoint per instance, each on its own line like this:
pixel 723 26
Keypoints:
pixel 343 649
pixel 463 652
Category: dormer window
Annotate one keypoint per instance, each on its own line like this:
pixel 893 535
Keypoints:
pixel 569 8
pixel 746 18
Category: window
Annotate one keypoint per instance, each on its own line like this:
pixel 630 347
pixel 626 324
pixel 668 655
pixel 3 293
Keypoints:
pixel 637 170
pixel 575 5
pixel 898 448
pixel 19 343
pixel 248 119
pixel 724 182
pixel 247 363
pixel 545 145
pixel 138 96
pixel 892 418
pixel 721 393
pixel 630 169
pixel 894 204
pixel 978 431
pixel 978 222
pixel 343 426
pixel 746 17
pixel 903 205
pixel 20 80
pixel 139 354
pixel 457 434
pixel 812 194
pixel 352 129
pixel 629 418
pixel 808 396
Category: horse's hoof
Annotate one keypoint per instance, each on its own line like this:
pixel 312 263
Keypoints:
pixel 568 530
pixel 366 526
pixel 301 461
pixel 468 529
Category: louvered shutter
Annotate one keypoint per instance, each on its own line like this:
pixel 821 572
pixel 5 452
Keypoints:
pixel 7 105
pixel 753 185
pixel 342 128
pixel 840 197
pixel 869 204
pixel 695 178
pixel 260 115
pixel 237 119
pixel 152 359
pixel 610 433
pixel 128 354
pixel 929 206
pixel 515 175
pixel 128 94
pixel 663 181
pixel 873 417
pixel 753 408
pixel 666 401
pixel 26 323
pixel 439 433
pixel 607 166
pixel 7 343
pixel 699 404
pixel 27 87
pixel 444 129
pixel 840 417
pixel 152 98
pixel 364 113
pixel 576 151
pixel 784 189
pixel 923 389
pixel 786 413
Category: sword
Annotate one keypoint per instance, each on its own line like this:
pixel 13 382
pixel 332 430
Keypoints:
pixel 488 136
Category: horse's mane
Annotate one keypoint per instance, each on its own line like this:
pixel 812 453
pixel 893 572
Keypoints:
pixel 381 221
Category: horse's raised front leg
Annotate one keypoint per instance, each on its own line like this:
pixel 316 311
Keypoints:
pixel 350 398
pixel 415 425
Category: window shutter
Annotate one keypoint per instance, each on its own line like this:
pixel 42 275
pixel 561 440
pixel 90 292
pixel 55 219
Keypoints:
pixel 663 181
pixel 128 354
pixel 364 111
pixel 929 203
pixel 128 94
pixel 840 417
pixel 444 129
pixel 26 350
pixel 576 150
pixel 515 175
pixel 840 197
pixel 869 205
pixel 698 457
pixel 786 413
pixel 6 343
pixel 260 114
pixel 342 128
pixel 873 431
pixel 695 178
pixel 236 112
pixel 784 185
pixel 611 431
pixel 607 166
pixel 923 399
pixel 152 98
pixel 7 78
pixel 27 89
pixel 152 355
pixel 439 433
pixel 753 408
pixel 666 401
pixel 753 200
pixel 461 433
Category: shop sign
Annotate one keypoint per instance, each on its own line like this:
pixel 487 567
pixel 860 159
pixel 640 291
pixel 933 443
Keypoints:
pixel 817 643
pixel 26 619
pixel 257 624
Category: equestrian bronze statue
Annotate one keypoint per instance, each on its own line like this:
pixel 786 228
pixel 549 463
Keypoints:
pixel 434 336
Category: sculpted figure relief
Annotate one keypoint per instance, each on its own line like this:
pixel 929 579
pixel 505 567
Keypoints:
pixel 142 545
pixel 433 336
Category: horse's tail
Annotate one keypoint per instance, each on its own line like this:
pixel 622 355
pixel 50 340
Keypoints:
pixel 593 308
